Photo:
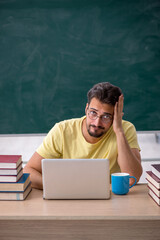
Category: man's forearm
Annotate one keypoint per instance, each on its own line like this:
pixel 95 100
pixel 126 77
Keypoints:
pixel 128 161
pixel 35 177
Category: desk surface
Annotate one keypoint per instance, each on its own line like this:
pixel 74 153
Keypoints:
pixel 136 205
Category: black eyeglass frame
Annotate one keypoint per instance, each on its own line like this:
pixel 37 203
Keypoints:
pixel 106 118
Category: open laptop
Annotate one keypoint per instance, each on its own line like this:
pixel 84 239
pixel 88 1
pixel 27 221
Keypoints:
pixel 76 178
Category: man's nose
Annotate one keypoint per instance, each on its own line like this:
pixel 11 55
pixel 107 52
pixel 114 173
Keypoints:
pixel 98 121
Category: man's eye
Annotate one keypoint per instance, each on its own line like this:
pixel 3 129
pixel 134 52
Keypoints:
pixel 106 116
pixel 93 113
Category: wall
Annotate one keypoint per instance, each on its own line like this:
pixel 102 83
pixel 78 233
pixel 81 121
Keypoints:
pixel 26 144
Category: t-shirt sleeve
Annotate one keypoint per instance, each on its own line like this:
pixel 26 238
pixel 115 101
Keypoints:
pixel 51 146
pixel 131 135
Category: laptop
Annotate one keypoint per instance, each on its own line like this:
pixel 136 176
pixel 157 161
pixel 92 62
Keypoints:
pixel 76 178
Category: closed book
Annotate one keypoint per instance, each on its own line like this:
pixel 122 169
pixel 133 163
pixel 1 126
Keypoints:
pixel 154 189
pixel 10 171
pixel 156 169
pixel 154 197
pixel 151 177
pixel 10 161
pixel 17 186
pixel 15 195
pixel 11 178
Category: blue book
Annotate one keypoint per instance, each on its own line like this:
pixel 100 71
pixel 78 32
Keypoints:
pixel 19 186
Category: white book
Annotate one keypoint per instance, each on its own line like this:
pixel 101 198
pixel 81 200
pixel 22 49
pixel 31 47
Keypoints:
pixel 11 171
pixel 11 178
pixel 154 189
pixel 16 195
pixel 154 196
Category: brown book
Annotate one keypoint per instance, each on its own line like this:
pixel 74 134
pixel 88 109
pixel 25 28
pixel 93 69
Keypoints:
pixel 154 189
pixel 154 197
pixel 151 177
pixel 156 169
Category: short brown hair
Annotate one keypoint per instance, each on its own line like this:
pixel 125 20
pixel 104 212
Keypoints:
pixel 105 92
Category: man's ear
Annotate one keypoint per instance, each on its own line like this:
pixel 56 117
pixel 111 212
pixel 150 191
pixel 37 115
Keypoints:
pixel 86 108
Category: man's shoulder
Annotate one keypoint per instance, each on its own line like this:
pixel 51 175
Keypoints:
pixel 128 125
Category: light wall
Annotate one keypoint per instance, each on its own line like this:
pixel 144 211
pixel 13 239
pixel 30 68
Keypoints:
pixel 26 144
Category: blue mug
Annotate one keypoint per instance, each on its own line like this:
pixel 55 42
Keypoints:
pixel 120 183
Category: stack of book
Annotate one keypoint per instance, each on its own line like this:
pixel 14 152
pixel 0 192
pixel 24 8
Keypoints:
pixel 153 178
pixel 14 184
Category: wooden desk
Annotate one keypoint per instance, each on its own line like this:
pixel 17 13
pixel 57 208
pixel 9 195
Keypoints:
pixel 132 216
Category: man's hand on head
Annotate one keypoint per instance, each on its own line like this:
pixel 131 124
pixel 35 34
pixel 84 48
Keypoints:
pixel 118 114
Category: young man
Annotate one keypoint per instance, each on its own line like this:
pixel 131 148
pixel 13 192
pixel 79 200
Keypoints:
pixel 100 134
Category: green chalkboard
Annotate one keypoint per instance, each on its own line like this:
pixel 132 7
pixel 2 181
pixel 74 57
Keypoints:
pixel 52 52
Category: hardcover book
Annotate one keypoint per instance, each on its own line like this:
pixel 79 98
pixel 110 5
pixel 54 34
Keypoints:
pixel 151 177
pixel 15 195
pixel 154 197
pixel 154 189
pixel 10 171
pixel 17 186
pixel 11 178
pixel 10 161
pixel 156 169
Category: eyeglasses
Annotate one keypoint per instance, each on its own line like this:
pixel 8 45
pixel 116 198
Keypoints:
pixel 105 117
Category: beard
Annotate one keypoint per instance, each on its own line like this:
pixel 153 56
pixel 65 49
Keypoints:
pixel 96 133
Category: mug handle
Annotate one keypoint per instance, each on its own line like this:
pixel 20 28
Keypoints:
pixel 134 182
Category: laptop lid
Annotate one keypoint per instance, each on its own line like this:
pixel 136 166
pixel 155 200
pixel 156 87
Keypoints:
pixel 76 178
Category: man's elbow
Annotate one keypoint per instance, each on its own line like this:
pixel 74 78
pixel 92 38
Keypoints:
pixel 27 169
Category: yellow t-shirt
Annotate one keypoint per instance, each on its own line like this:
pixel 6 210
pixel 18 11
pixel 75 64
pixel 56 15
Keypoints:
pixel 65 140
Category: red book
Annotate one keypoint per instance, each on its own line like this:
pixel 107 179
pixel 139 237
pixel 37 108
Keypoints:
pixel 156 169
pixel 10 161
